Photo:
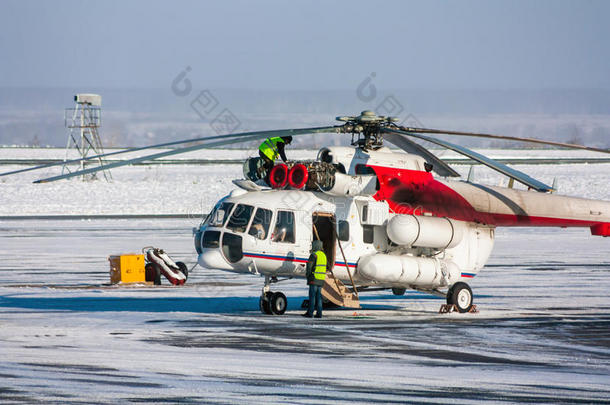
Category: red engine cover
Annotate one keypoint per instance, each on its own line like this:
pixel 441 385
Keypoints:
pixel 278 177
pixel 298 175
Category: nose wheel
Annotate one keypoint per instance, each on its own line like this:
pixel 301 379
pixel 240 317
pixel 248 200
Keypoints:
pixel 272 303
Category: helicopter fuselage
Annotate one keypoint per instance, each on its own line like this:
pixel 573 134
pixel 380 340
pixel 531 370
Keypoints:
pixel 451 223
pixel 270 233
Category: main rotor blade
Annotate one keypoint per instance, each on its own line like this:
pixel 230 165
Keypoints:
pixel 103 155
pixel 438 166
pixel 235 138
pixel 500 167
pixel 507 138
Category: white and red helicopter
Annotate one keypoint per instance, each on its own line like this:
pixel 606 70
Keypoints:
pixel 386 222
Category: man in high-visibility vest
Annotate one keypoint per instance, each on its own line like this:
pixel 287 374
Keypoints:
pixel 316 274
pixel 271 148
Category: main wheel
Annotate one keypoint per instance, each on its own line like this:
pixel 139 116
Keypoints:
pixel 278 303
pixel 398 291
pixel 460 295
pixel 183 269
pixel 450 296
pixel 264 303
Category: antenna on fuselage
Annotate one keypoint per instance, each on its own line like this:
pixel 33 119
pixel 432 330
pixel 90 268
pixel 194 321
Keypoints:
pixel 470 178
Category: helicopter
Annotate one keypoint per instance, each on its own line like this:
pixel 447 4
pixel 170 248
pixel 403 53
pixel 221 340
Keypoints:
pixel 387 219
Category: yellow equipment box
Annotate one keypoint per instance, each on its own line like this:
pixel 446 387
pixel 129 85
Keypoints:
pixel 127 268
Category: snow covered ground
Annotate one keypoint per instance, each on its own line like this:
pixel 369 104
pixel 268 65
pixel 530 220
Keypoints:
pixel 542 334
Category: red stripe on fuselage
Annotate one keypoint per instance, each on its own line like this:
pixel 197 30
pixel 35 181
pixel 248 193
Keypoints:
pixel 417 192
pixel 289 259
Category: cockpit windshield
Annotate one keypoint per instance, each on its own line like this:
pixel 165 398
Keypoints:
pixel 240 218
pixel 219 214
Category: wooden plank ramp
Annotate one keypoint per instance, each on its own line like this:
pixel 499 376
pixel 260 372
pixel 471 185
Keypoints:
pixel 337 293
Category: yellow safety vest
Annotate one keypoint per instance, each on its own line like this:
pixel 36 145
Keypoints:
pixel 269 147
pixel 320 270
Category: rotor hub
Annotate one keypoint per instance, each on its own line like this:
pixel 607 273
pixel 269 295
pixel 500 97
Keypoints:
pixel 366 128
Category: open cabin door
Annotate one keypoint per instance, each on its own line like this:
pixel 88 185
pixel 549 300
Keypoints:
pixel 322 228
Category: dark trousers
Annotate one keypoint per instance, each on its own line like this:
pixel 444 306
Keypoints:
pixel 315 299
pixel 268 163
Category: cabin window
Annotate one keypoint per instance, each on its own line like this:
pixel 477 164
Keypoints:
pixel 220 213
pixel 260 223
pixel 240 218
pixel 284 227
pixel 343 230
pixel 368 233
pixel 210 239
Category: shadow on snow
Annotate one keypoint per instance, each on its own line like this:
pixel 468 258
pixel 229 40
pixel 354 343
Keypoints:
pixel 170 304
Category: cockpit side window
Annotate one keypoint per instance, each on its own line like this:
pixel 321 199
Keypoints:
pixel 343 230
pixel 219 214
pixel 240 218
pixel 260 223
pixel 284 227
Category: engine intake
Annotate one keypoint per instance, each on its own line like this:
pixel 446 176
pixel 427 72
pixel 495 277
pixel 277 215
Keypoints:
pixel 278 177
pixel 298 176
pixel 320 176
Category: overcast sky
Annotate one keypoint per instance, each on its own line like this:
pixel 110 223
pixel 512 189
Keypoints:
pixel 318 45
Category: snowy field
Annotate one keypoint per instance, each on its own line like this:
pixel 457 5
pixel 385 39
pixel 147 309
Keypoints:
pixel 542 334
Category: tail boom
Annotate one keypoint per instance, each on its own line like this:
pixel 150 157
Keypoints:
pixel 417 192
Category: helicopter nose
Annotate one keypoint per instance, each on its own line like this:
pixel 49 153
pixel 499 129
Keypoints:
pixel 197 234
pixel 211 253
pixel 225 245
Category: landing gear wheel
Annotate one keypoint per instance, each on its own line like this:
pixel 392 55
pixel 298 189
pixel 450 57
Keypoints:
pixel 450 296
pixel 278 303
pixel 183 269
pixel 398 291
pixel 460 295
pixel 264 303
pixel 152 272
